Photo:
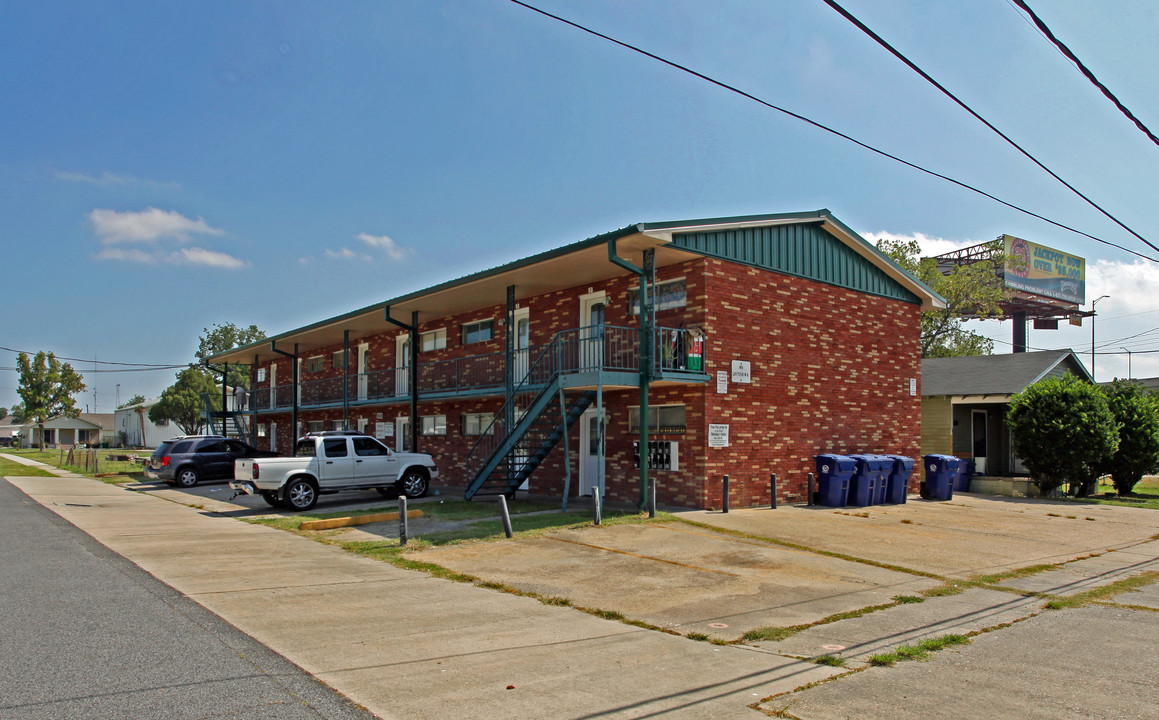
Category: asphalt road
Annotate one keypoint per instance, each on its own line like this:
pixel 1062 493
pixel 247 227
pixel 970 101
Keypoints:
pixel 84 633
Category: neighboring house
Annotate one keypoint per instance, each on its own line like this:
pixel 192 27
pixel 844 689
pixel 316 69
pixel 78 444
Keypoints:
pixel 8 432
pixel 91 429
pixel 138 430
pixel 775 338
pixel 964 402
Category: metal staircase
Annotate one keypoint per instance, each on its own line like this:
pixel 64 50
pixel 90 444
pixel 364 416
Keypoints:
pixel 230 423
pixel 536 415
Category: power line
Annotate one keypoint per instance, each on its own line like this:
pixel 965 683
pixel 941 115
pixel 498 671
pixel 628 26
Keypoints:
pixel 826 128
pixel 94 361
pixel 1066 51
pixel 909 63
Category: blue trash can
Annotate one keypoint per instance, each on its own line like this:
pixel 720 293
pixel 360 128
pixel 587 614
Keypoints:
pixel 897 482
pixel 833 473
pixel 867 486
pixel 962 477
pixel 940 473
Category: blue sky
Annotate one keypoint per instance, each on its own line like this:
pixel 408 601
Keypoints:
pixel 166 166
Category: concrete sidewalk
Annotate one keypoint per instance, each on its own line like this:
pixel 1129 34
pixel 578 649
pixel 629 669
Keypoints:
pixel 407 645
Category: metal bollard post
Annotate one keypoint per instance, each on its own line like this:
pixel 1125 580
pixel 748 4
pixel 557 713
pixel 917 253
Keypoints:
pixel 402 519
pixel 651 497
pixel 506 516
pixel 599 518
pixel 810 489
pixel 726 493
pixel 773 486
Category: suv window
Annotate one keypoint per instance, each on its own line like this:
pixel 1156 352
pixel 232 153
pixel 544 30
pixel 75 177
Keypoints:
pixel 234 447
pixel 369 446
pixel 212 446
pixel 335 447
pixel 181 448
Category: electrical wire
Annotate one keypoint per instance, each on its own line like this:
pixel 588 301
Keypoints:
pixel 826 128
pixel 1066 51
pixel 151 366
pixel 909 63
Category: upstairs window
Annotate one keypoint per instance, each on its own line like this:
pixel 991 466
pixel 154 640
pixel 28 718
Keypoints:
pixel 478 331
pixel 315 364
pixel 670 295
pixel 433 340
pixel 338 360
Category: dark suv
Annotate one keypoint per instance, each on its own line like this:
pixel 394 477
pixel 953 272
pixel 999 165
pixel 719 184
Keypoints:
pixel 188 460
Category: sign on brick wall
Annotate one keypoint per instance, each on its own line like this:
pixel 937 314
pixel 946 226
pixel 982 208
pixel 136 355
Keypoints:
pixel 742 371
pixel 718 436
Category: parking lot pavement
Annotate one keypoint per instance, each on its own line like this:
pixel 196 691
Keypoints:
pixel 219 497
pixel 1092 662
pixel 969 535
pixel 680 577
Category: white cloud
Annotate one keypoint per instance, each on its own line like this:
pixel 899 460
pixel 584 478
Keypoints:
pixel 146 226
pixel 347 254
pixel 108 179
pixel 127 255
pixel 929 244
pixel 208 258
pixel 386 244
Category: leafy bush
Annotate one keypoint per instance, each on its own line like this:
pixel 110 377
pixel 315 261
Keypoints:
pixel 1063 430
pixel 1137 412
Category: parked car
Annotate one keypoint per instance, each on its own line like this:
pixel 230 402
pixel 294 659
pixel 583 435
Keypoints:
pixel 190 459
pixel 330 462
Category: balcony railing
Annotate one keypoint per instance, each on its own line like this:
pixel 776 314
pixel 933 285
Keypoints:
pixel 594 348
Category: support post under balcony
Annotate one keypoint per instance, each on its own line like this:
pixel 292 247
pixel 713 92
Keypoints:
pixel 293 387
pixel 413 329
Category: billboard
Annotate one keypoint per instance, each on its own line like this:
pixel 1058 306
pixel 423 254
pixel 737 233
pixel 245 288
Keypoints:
pixel 1045 271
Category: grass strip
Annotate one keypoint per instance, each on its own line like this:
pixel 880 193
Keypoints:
pixel 1100 594
pixel 11 468
pixel 919 651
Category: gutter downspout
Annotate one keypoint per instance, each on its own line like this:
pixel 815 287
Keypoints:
pixel 413 329
pixel 293 387
pixel 646 341
pixel 345 379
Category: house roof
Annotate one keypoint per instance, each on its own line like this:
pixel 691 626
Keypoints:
pixel 996 374
pixel 573 265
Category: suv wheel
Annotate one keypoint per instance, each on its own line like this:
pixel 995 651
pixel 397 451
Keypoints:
pixel 301 494
pixel 187 476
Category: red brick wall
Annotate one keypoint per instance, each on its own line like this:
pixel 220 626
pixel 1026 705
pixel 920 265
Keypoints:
pixel 830 373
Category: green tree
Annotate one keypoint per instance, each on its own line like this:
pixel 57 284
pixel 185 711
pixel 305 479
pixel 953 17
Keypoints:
pixel 46 387
pixel 181 402
pixel 1137 412
pixel 3 412
pixel 17 413
pixel 227 337
pixel 1063 430
pixel 132 401
pixel 971 291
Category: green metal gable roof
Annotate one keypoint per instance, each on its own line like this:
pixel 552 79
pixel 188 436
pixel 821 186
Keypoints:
pixel 802 249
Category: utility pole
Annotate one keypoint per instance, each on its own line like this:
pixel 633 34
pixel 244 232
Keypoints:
pixel 1128 363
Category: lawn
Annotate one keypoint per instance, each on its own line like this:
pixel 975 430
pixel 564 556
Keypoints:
pixel 1146 494
pixel 11 468
pixel 110 471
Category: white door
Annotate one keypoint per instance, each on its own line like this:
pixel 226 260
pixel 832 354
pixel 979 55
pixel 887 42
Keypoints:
pixel 336 464
pixel 374 464
pixel 273 437
pixel 522 343
pixel 401 364
pixel 298 387
pixel 363 372
pixel 591 321
pixel 402 434
pixel 589 455
pixel 273 386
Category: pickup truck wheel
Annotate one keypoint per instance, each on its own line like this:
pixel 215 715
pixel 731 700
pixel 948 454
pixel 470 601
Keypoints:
pixel 187 477
pixel 271 497
pixel 415 483
pixel 301 494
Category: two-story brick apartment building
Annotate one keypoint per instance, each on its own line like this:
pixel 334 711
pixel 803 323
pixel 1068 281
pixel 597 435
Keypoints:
pixel 770 339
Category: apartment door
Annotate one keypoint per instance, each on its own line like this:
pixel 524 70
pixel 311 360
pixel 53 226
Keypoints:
pixel 978 443
pixel 363 372
pixel 402 434
pixel 591 334
pixel 589 455
pixel 273 436
pixel 273 386
pixel 402 365
pixel 522 343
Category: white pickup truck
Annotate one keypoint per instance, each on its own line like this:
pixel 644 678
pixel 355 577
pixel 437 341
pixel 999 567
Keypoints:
pixel 330 462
